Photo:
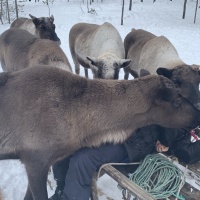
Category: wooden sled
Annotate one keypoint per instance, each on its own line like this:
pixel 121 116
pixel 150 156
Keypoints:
pixel 131 191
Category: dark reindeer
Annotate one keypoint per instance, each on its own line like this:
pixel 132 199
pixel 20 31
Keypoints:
pixel 98 47
pixel 48 113
pixel 42 27
pixel 20 49
pixel 151 54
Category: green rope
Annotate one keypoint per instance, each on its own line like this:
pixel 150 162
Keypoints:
pixel 159 177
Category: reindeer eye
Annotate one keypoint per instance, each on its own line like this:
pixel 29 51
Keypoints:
pixel 115 65
pixel 177 82
pixel 177 103
pixel 100 65
pixel 42 28
pixel 169 85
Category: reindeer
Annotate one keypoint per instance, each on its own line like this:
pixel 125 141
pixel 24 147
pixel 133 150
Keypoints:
pixel 48 113
pixel 42 27
pixel 98 47
pixel 20 49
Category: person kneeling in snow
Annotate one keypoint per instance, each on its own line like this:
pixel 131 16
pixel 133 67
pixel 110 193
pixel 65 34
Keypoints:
pixel 74 174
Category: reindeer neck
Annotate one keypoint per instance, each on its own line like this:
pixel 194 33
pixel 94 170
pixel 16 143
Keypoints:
pixel 112 106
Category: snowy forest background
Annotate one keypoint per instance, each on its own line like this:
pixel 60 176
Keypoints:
pixel 160 17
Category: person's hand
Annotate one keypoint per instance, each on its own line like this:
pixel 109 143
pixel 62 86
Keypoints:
pixel 161 148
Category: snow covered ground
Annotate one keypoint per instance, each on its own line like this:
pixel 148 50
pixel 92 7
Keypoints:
pixel 164 17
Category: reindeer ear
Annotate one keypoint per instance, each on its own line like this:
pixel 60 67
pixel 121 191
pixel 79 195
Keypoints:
pixel 31 16
pixel 164 94
pixel 196 68
pixel 124 63
pixel 169 95
pixel 52 18
pixel 93 60
pixel 144 72
pixel 36 21
pixel 164 71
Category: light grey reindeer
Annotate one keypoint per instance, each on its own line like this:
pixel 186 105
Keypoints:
pixel 98 47
pixel 42 27
pixel 48 114
pixel 20 49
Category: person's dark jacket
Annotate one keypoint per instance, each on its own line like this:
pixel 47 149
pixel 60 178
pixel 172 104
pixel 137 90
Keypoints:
pixel 143 141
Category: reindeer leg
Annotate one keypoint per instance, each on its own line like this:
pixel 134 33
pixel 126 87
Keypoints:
pixel 86 72
pixel 126 73
pixel 28 194
pixel 133 73
pixel 37 173
pixel 77 68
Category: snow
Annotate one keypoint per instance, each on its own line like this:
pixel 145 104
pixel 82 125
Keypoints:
pixel 164 17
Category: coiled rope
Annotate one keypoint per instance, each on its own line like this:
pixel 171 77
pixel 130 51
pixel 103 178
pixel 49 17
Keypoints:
pixel 159 177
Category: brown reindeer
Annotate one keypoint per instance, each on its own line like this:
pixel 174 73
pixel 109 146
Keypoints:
pixel 48 113
pixel 98 47
pixel 19 49
pixel 152 54
pixel 42 27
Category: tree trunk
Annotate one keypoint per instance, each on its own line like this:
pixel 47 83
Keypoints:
pixel 184 9
pixel 16 9
pixel 88 6
pixel 122 12
pixel 1 11
pixel 8 12
pixel 130 4
pixel 196 11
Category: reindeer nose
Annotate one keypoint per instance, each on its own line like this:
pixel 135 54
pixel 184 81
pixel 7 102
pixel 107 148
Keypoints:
pixel 58 42
pixel 196 102
pixel 197 105
pixel 178 101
